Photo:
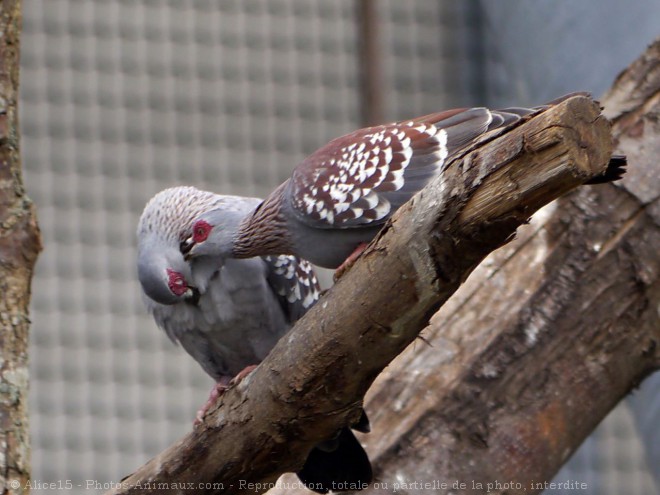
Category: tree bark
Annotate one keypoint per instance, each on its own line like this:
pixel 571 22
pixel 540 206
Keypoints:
pixel 543 340
pixel 20 244
pixel 314 380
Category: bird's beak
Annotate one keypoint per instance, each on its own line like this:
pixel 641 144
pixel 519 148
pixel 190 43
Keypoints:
pixel 186 246
pixel 192 295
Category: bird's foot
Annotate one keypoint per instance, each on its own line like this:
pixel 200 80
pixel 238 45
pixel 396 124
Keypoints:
pixel 242 374
pixel 350 261
pixel 217 390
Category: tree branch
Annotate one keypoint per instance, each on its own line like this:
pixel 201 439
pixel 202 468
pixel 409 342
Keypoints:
pixel 313 382
pixel 544 338
pixel 20 244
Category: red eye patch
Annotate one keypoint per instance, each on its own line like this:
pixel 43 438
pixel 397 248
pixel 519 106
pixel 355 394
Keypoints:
pixel 176 282
pixel 201 231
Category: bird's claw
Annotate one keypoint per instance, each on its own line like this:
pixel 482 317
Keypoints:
pixel 242 374
pixel 216 392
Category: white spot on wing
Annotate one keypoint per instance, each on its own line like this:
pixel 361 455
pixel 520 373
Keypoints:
pixel 407 153
pixel 387 158
pixel 337 194
pixel 309 299
pixel 382 209
pixel 371 198
pixel 397 180
pixel 443 152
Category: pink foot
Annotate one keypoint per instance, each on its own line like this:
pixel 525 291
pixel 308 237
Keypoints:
pixel 217 390
pixel 242 374
pixel 220 388
pixel 348 262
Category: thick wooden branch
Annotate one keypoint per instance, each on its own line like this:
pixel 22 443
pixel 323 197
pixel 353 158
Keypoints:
pixel 544 338
pixel 314 380
pixel 19 245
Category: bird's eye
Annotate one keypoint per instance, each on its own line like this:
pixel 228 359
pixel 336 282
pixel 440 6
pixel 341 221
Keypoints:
pixel 201 231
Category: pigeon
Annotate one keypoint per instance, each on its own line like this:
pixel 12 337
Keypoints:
pixel 340 196
pixel 229 313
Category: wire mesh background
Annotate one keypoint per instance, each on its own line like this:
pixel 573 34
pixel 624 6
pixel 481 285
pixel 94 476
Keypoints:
pixel 120 99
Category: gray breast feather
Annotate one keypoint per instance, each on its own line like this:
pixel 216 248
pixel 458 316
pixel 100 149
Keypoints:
pixel 236 322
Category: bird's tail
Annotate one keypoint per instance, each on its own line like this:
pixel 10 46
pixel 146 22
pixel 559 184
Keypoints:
pixel 614 171
pixel 340 464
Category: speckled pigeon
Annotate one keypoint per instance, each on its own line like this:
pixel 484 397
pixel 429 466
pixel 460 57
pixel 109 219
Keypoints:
pixel 339 197
pixel 229 313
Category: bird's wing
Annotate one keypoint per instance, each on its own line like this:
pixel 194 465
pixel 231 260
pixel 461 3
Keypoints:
pixel 360 179
pixel 294 282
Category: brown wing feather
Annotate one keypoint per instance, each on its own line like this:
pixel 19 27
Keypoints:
pixel 361 178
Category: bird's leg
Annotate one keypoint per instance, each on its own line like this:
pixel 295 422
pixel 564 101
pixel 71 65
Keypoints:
pixel 242 374
pixel 348 262
pixel 218 389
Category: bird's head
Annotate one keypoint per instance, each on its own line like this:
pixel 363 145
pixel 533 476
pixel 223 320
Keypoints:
pixel 165 275
pixel 213 234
